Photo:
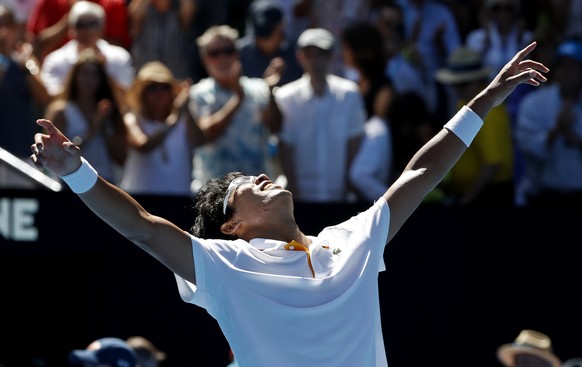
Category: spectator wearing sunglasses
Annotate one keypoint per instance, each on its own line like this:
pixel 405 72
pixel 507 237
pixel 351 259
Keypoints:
pixel 236 113
pixel 86 26
pixel 48 24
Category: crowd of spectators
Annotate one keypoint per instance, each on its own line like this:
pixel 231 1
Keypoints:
pixel 164 94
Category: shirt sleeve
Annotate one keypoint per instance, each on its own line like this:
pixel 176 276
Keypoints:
pixel 211 260
pixel 51 74
pixel 533 124
pixel 374 225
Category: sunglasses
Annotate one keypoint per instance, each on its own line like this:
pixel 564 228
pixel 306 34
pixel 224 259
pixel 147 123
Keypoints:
pixel 229 51
pixel 233 186
pixel 87 24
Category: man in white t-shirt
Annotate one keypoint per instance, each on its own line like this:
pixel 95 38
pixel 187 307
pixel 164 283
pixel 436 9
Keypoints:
pixel 323 124
pixel 86 27
pixel 279 295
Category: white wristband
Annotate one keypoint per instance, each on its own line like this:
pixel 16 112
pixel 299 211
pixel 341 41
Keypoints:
pixel 83 179
pixel 465 124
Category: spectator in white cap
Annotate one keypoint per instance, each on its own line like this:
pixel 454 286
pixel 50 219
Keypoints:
pixel 323 124
pixel 104 352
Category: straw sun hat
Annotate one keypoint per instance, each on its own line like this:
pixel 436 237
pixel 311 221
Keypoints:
pixel 149 73
pixel 528 342
pixel 463 65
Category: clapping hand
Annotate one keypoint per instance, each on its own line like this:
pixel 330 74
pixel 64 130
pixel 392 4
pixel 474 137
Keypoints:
pixel 273 72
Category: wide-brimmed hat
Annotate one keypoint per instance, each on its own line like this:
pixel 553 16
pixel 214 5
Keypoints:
pixel 463 65
pixel 528 342
pixel 150 72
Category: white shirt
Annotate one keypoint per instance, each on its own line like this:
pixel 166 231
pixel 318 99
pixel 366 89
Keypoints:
pixel 557 166
pixel 319 128
pixel 272 310
pixel 370 171
pixel 165 170
pixel 57 64
pixel 95 150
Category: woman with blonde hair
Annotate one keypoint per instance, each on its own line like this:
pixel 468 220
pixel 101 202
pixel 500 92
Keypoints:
pixel 161 134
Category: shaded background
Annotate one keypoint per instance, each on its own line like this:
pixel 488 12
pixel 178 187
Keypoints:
pixel 459 283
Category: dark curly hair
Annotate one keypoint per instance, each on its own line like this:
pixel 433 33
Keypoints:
pixel 208 207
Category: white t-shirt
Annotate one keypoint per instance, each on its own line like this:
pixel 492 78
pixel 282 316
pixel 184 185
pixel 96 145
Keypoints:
pixel 57 65
pixel 319 129
pixel 273 311
pixel 165 170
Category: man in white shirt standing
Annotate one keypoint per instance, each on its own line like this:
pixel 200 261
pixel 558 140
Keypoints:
pixel 323 124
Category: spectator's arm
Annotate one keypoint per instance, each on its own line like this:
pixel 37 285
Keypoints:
pixel 50 37
pixel 187 12
pixel 136 11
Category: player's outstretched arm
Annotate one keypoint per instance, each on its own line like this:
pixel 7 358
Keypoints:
pixel 431 163
pixel 157 236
